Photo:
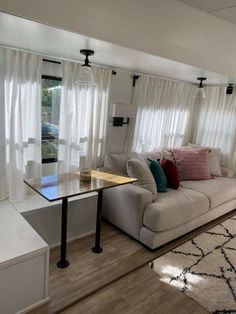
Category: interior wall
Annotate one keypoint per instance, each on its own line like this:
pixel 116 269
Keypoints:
pixel 47 220
pixel 120 92
pixel 165 28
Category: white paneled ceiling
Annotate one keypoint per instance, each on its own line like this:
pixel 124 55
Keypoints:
pixel 224 9
pixel 17 32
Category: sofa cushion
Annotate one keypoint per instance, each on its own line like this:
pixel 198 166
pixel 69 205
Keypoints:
pixel 227 172
pixel 192 164
pixel 159 175
pixel 159 155
pixel 214 157
pixel 171 174
pixel 168 154
pixel 174 208
pixel 214 163
pixel 155 155
pixel 218 190
pixel 117 161
pixel 138 168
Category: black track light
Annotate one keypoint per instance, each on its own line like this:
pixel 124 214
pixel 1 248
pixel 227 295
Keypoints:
pixel 201 79
pixel 85 76
pixel 229 89
pixel 200 91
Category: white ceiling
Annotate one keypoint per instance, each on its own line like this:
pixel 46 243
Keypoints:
pixel 32 36
pixel 224 9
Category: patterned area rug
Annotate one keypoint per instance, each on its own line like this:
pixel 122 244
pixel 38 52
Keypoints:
pixel 205 268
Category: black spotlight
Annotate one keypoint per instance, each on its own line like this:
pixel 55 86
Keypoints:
pixel 229 89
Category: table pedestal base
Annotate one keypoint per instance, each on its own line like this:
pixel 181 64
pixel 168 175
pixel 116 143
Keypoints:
pixel 63 264
pixel 97 249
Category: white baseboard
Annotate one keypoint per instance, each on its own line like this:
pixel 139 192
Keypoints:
pixel 34 306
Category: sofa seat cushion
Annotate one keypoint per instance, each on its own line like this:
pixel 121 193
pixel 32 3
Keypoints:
pixel 174 208
pixel 218 190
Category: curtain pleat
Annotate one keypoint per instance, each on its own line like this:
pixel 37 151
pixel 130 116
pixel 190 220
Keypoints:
pixel 83 119
pixel 164 114
pixel 216 123
pixel 20 127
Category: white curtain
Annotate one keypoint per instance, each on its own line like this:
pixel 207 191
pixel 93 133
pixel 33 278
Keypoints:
pixel 216 123
pixel 20 121
pixel 165 111
pixel 83 119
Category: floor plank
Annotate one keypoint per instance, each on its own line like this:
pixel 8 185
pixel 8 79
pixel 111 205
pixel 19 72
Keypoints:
pixel 88 272
pixel 140 292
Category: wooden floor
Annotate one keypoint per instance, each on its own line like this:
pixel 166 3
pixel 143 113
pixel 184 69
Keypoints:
pixel 140 292
pixel 118 279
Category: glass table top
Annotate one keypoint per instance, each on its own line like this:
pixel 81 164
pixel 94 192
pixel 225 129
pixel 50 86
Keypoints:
pixel 64 185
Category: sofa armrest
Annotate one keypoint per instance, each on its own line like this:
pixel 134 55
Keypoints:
pixel 124 207
pixel 227 172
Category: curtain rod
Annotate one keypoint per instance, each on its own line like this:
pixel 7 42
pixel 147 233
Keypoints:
pixel 138 74
pixel 113 72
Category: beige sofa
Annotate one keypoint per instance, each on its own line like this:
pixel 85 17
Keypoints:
pixel 131 208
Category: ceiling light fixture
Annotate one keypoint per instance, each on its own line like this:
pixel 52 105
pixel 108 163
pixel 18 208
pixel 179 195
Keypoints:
pixel 200 91
pixel 229 89
pixel 85 76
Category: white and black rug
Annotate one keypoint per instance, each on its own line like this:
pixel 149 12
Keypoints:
pixel 205 268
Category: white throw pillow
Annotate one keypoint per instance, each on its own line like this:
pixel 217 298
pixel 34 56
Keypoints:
pixel 213 159
pixel 117 161
pixel 138 168
pixel 168 154
pixel 214 163
pixel 139 156
pixel 154 155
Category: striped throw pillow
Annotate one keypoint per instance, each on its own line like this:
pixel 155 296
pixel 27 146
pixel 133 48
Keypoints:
pixel 192 164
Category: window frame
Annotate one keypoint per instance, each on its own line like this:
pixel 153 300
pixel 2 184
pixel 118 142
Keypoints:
pixel 58 79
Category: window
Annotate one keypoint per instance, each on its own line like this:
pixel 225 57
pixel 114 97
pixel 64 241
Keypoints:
pixel 161 128
pixel 50 110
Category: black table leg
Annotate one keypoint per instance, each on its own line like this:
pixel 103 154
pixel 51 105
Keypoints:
pixel 97 248
pixel 63 263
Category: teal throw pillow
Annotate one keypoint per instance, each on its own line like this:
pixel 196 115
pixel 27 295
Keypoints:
pixel 159 175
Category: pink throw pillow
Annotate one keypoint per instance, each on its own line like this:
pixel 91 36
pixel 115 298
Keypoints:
pixel 192 164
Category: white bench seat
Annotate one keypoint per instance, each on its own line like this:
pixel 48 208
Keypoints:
pixel 24 257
